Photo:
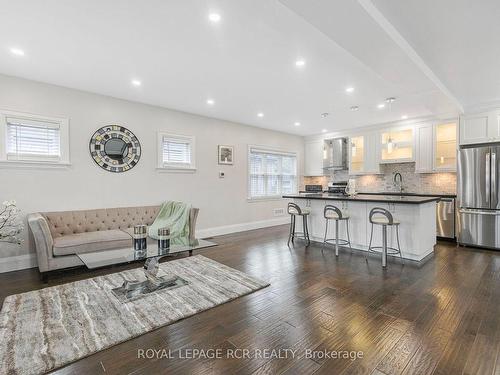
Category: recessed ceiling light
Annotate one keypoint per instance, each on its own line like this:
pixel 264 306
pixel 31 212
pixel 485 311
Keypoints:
pixel 354 108
pixel 300 62
pixel 380 106
pixel 349 89
pixel 17 51
pixel 136 82
pixel 404 117
pixel 260 114
pixel 296 123
pixel 214 17
pixel 324 131
pixel 210 101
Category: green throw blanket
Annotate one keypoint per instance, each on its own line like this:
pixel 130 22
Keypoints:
pixel 172 215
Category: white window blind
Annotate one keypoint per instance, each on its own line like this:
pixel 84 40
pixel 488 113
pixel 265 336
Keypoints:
pixel 32 139
pixel 177 151
pixel 271 173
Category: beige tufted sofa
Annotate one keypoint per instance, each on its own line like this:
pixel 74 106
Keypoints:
pixel 59 236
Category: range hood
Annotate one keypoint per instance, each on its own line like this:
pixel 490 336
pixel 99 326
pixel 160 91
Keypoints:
pixel 335 154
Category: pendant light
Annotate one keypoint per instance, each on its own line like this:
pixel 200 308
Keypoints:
pixel 390 143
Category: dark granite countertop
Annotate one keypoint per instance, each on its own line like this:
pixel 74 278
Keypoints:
pixel 414 194
pixel 394 198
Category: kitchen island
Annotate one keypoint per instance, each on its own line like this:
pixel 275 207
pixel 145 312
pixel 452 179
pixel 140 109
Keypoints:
pixel 417 215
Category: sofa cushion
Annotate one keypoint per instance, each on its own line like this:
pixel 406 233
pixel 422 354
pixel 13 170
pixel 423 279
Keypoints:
pixel 90 241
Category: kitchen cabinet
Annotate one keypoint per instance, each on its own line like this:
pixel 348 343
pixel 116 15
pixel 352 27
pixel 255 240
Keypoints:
pixel 445 147
pixel 424 147
pixel 397 145
pixel 313 158
pixel 363 154
pixel 480 128
pixel 436 147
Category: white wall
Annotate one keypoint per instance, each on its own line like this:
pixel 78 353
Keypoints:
pixel 222 202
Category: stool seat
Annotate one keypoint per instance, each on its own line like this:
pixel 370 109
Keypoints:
pixel 303 211
pixel 295 210
pixel 383 221
pixel 334 216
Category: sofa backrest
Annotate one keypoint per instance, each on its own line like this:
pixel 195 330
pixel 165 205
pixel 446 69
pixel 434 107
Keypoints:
pixel 72 222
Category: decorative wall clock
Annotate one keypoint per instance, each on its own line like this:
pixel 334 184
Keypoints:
pixel 115 148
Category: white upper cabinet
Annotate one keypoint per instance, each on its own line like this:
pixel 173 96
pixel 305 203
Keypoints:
pixel 363 154
pixel 397 145
pixel 436 147
pixel 480 128
pixel 313 165
pixel 424 143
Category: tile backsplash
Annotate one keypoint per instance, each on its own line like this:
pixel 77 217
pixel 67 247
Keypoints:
pixel 425 183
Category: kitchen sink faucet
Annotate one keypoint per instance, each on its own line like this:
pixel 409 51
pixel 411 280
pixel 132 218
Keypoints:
pixel 400 182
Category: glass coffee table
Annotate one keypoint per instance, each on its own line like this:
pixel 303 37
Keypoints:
pixel 132 289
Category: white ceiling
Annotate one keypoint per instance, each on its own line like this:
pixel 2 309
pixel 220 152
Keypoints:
pixel 246 62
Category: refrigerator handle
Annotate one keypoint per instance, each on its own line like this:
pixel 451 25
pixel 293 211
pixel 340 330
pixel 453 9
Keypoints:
pixel 488 177
pixel 493 172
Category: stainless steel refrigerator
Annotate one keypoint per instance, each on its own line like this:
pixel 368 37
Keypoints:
pixel 479 196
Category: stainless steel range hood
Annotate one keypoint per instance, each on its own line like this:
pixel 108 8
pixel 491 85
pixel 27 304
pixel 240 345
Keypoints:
pixel 335 154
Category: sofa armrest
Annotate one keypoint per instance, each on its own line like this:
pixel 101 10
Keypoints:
pixel 43 240
pixel 193 216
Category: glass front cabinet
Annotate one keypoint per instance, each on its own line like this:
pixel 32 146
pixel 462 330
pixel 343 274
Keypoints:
pixel 363 154
pixel 397 145
pixel 436 147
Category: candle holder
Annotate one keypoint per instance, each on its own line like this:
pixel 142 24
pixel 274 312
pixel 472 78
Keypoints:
pixel 163 239
pixel 140 237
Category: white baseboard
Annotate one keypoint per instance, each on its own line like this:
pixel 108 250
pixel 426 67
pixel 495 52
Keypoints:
pixel 18 262
pixel 241 227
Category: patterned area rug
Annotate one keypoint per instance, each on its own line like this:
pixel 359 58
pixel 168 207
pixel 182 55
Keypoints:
pixel 46 329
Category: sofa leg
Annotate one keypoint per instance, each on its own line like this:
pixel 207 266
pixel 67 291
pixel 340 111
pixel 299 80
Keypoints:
pixel 190 252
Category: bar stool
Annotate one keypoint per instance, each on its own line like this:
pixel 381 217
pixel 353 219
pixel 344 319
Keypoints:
pixel 294 210
pixel 381 216
pixel 334 213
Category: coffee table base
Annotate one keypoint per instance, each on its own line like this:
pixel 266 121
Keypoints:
pixel 133 289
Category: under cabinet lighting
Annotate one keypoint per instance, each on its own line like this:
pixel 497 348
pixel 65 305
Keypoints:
pixel 441 159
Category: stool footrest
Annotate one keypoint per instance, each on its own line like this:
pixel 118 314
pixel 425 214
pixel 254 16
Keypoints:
pixel 390 250
pixel 341 241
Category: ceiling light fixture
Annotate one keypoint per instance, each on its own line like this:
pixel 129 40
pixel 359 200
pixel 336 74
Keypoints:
pixel 324 114
pixel 260 114
pixel 136 82
pixel 404 117
pixel 214 17
pixel 296 123
pixel 349 90
pixel 354 108
pixel 17 51
pixel 380 106
pixel 390 100
pixel 210 101
pixel 300 62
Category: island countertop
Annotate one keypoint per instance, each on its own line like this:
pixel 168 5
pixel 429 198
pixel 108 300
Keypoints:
pixel 405 199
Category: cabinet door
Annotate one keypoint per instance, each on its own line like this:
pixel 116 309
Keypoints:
pixel 313 158
pixel 372 153
pixel 423 161
pixel 445 147
pixel 474 129
pixel 356 155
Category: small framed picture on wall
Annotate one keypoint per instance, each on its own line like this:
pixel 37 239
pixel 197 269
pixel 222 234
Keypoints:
pixel 226 155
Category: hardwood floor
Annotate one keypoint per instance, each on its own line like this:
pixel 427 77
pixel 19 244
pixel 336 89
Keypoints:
pixel 442 318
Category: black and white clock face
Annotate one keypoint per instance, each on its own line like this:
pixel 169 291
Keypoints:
pixel 115 148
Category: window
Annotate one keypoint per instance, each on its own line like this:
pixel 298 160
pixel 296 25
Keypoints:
pixel 176 152
pixel 271 173
pixel 30 138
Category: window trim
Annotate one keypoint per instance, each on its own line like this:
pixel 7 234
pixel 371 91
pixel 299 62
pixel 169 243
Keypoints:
pixel 274 150
pixel 33 161
pixel 161 166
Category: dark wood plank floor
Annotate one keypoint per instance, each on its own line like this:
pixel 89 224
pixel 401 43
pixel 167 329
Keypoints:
pixel 441 318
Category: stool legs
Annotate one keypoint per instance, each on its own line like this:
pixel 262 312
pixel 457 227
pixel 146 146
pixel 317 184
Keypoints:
pixel 384 246
pixel 348 236
pixel 336 238
pixel 306 230
pixel 291 235
pixel 399 247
